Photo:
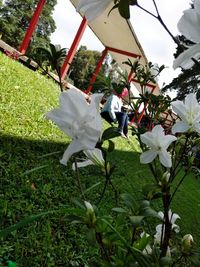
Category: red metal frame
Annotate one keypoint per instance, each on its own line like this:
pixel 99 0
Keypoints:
pixel 119 51
pixel 73 48
pixel 98 67
pixel 153 87
pixel 145 106
pixel 32 25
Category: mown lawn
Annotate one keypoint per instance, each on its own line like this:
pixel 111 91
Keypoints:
pixel 32 180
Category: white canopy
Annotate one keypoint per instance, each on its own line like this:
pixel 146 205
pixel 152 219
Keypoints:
pixel 116 32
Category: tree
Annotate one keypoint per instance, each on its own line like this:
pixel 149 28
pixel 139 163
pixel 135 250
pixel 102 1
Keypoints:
pixel 188 81
pixel 15 17
pixel 83 66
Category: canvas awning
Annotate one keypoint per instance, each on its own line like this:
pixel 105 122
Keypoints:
pixel 116 32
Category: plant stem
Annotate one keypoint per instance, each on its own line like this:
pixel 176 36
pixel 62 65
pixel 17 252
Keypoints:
pixel 78 180
pixel 158 17
pixel 177 187
pixel 167 223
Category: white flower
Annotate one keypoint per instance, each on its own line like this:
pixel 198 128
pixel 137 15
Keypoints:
pixel 160 227
pixel 92 8
pixel 158 143
pixel 78 119
pixel 189 26
pixel 189 113
pixel 94 156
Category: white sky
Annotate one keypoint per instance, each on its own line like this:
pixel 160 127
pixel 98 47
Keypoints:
pixel 157 44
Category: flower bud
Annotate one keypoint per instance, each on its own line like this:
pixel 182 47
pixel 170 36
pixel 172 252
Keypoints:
pixel 165 179
pixel 90 215
pixel 186 243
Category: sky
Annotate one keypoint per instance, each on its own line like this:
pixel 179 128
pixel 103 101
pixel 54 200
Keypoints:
pixel 155 41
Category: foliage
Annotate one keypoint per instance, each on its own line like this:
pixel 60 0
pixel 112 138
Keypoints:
pixel 83 66
pixel 33 181
pixel 51 59
pixel 187 82
pixel 15 17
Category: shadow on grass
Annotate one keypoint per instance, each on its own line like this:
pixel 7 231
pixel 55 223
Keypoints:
pixel 33 165
pixel 32 180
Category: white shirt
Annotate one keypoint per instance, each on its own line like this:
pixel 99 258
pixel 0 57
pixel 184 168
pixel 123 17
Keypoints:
pixel 112 105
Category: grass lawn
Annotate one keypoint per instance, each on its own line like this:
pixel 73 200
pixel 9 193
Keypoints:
pixel 32 180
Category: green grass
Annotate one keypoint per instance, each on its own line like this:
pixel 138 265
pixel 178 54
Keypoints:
pixel 32 180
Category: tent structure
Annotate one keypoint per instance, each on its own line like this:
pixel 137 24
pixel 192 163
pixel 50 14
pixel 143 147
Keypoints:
pixel 114 32
pixel 120 40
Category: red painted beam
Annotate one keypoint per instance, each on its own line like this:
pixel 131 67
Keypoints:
pixel 145 106
pixel 119 51
pixel 98 67
pixel 32 25
pixel 73 48
pixel 148 84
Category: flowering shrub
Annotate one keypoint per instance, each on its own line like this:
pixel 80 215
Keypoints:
pixel 128 238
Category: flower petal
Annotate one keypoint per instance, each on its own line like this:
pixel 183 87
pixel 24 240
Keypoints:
pixel 191 101
pixel 197 6
pixel 180 127
pixel 174 217
pixel 74 147
pixel 96 99
pixel 196 127
pixel 167 140
pixel 73 101
pixel 184 60
pixel 82 164
pixel 179 108
pixel 148 156
pixel 165 158
pixel 59 117
pixel 189 25
pixel 147 138
pixel 158 233
pixel 96 156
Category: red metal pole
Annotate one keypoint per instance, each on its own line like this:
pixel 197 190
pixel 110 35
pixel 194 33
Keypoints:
pixel 126 53
pixel 73 48
pixel 32 26
pixel 130 75
pixel 145 106
pixel 98 67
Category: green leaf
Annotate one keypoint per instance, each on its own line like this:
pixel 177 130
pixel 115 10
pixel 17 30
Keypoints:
pixel 111 146
pixel 124 9
pixel 129 200
pixel 92 187
pixel 109 133
pixel 30 219
pixel 136 220
pixel 149 212
pixel 142 259
pixel 91 236
pixel 35 169
pixel 142 242
pixel 119 210
pixel 74 219
pixel 165 261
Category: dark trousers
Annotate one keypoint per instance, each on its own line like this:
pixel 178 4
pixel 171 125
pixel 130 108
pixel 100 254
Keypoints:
pixel 122 119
